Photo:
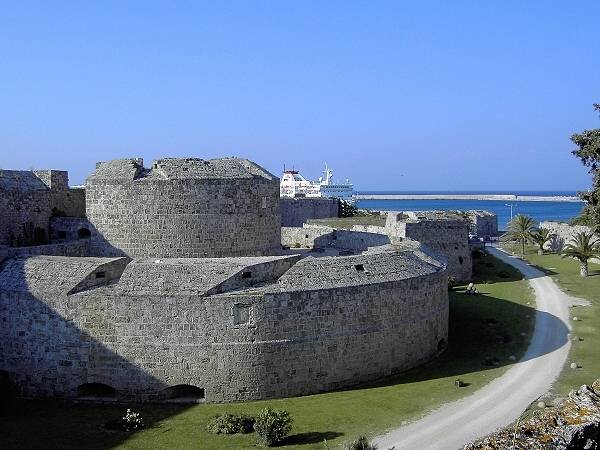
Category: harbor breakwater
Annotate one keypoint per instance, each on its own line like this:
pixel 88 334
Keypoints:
pixel 497 197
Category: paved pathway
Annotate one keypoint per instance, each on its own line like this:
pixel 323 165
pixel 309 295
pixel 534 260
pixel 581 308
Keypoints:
pixel 502 401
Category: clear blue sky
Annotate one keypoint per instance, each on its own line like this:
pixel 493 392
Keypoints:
pixel 395 95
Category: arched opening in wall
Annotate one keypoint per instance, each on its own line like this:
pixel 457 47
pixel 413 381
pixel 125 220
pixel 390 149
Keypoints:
pixel 7 390
pixel 441 345
pixel 39 236
pixel 183 393
pixel 460 259
pixel 96 390
pixel 84 233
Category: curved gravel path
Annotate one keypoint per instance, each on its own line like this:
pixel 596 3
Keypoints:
pixel 500 402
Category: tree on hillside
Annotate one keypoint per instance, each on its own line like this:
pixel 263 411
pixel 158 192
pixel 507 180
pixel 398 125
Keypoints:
pixel 583 246
pixel 520 229
pixel 540 237
pixel 588 150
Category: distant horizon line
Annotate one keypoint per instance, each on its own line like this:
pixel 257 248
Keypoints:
pixel 466 191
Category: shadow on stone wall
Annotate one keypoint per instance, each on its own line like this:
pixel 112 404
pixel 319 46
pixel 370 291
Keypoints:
pixel 484 337
pixel 65 229
pixel 43 353
pixel 100 246
pixel 350 240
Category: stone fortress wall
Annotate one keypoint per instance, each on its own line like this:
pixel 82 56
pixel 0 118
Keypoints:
pixel 303 334
pixel 28 199
pixel 441 231
pixel 562 233
pixel 146 326
pixel 183 208
pixel 323 237
pixel 295 212
pixel 483 224
pixel 446 233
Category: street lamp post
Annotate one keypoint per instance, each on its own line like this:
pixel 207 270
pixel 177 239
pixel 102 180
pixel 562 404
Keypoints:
pixel 511 210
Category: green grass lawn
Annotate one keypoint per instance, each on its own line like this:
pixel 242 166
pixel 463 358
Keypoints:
pixel 485 330
pixel 349 222
pixel 565 273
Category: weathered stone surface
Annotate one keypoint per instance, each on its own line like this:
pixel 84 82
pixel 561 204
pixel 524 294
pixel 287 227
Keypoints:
pixel 295 212
pixel 201 276
pixel 69 229
pixel 572 425
pixel 28 199
pixel 341 271
pixel 73 248
pixel 308 332
pixel 186 208
pixel 562 233
pixel 441 231
pixel 40 275
pixel 318 236
pixel 483 223
pixel 233 322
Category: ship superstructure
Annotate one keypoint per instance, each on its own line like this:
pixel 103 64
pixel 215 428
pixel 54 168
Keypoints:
pixel 295 185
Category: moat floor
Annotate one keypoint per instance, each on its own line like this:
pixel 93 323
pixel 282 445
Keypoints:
pixel 485 330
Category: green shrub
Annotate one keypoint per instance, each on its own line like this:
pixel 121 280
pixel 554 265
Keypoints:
pixel 131 421
pixel 230 424
pixel 272 425
pixel 297 245
pixel 362 443
pixel 451 283
pixel 347 209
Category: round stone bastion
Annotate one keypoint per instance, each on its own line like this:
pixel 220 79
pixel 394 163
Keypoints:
pixel 184 207
pixel 218 329
pixel 177 288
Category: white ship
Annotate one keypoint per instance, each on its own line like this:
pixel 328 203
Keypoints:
pixel 295 185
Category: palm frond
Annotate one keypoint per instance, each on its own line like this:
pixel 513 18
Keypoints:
pixel 582 246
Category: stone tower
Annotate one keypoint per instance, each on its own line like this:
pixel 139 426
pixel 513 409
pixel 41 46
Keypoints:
pixel 185 207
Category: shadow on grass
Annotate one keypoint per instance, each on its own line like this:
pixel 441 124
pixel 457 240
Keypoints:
pixel 495 270
pixel 485 332
pixel 44 353
pixel 62 424
pixel 310 438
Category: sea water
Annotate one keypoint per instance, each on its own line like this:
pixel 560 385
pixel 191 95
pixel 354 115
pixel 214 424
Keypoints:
pixel 539 211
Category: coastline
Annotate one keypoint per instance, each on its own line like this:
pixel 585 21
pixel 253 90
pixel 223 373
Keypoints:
pixel 499 197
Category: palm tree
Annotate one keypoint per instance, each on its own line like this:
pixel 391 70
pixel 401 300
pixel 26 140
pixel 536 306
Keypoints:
pixel 520 229
pixel 540 237
pixel 583 246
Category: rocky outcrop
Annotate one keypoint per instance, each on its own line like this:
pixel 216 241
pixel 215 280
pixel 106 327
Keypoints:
pixel 573 424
